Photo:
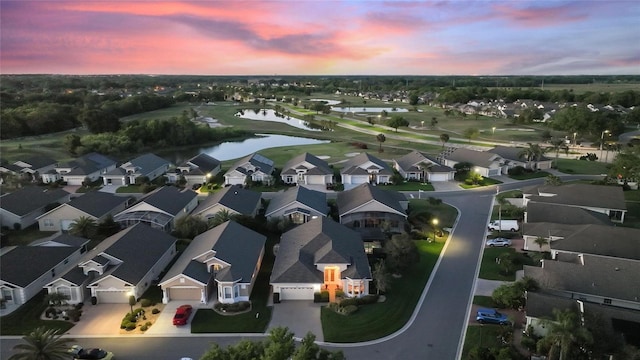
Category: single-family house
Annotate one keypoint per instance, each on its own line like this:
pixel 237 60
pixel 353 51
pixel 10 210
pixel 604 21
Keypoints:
pixel 371 210
pixel 94 205
pixel 221 263
pixel 127 263
pixel 556 213
pixel 25 270
pixel 160 209
pixel 419 166
pixel 298 205
pixel 320 255
pixel 307 169
pixel 21 208
pixel 90 166
pixel 148 165
pixel 255 166
pixel 196 171
pixel 35 167
pixel 365 168
pixel 513 157
pixel 599 240
pixel 603 199
pixel 234 199
pixel 484 163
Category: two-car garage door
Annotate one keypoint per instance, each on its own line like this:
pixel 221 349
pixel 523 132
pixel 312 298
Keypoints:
pixel 184 293
pixel 296 293
pixel 112 297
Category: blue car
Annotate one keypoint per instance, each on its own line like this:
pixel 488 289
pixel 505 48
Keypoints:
pixel 491 316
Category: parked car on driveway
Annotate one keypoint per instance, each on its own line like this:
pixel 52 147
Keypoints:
pixel 491 316
pixel 99 354
pixel 498 242
pixel 182 315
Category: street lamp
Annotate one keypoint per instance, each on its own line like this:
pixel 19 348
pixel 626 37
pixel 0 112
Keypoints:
pixel 132 300
pixel 602 141
pixel 574 139
pixel 434 221
pixel 493 131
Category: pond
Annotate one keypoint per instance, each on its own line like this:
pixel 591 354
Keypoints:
pixel 270 115
pixel 236 149
pixel 328 102
pixel 347 109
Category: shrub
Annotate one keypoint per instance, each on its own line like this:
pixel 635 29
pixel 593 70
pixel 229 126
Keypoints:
pixel 155 311
pixel 348 302
pixel 148 323
pixel 130 326
pixel 144 328
pixel 516 171
pixel 367 299
pixel 145 302
pixel 74 314
pixel 339 293
pixel 322 296
pixel 349 309
pixel 50 312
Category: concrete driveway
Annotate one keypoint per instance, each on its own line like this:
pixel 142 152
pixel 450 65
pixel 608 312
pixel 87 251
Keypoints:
pixel 164 323
pixel 101 319
pixel 300 316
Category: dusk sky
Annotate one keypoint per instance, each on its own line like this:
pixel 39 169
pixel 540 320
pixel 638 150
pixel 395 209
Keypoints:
pixel 314 37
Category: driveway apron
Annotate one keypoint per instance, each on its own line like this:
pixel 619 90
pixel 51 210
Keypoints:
pixel 101 319
pixel 299 316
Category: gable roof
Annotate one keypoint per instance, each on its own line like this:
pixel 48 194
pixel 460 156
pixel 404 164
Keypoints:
pixel 614 241
pixel 316 200
pixel 233 243
pixel 256 160
pixel 38 162
pixel 600 276
pixel 556 213
pixel 234 197
pixel 139 247
pixel 350 200
pixel 549 229
pixel 88 164
pixel 513 153
pixel 170 199
pixel 352 166
pixel 477 158
pixel 409 162
pixel 584 195
pixel 319 166
pixel 203 162
pixel 321 240
pixel 29 199
pixel 94 203
pixel 146 163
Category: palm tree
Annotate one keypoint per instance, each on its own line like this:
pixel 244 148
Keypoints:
pixel 557 145
pixel 566 333
pixel 444 138
pixel 219 218
pixel 83 226
pixel 381 138
pixel 541 241
pixel 42 344
pixel 532 153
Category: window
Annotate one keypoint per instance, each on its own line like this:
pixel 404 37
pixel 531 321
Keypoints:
pixel 48 223
pixel 227 292
pixel 607 301
pixel 615 215
pixel 64 291
pixel 236 291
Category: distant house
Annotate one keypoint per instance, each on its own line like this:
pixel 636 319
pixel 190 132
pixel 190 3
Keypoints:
pixel 320 255
pixel 233 199
pixel 371 210
pixel 24 270
pixel 22 207
pixel 419 166
pixel 91 166
pixel 94 205
pixel 298 205
pixel 147 165
pixel 307 169
pixel 513 157
pixel 608 200
pixel 160 209
pixel 221 263
pixel 484 163
pixel 197 170
pixel 255 166
pixel 365 168
pixel 127 263
pixel 35 167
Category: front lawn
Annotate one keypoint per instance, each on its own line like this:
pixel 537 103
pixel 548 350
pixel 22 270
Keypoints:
pixel 378 320
pixel 569 166
pixel 484 301
pixel 485 182
pixel 484 336
pixel 27 317
pixel 491 270
pixel 24 236
pixel 130 189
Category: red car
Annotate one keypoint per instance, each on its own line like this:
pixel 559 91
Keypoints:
pixel 182 315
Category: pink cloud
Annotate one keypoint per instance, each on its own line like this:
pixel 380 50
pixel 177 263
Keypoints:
pixel 539 16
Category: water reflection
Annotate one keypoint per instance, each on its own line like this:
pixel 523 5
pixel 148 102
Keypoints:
pixel 271 115
pixel 347 109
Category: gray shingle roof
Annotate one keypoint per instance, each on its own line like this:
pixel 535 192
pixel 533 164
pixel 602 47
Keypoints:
pixel 321 240
pixel 234 197
pixel 320 167
pixel 148 162
pixel 353 165
pixel 170 199
pixel 477 158
pixel 88 164
pixel 410 162
pixel 29 199
pixel 601 276
pixel 203 162
pixel 265 165
pixel 233 243
pixel 614 241
pixel 584 195
pixel 546 229
pixel 139 247
pixel 556 213
pixel 96 203
pixel 316 200
pixel 513 153
pixel 38 162
pixel 349 200
pixel 75 276
pixel 58 239
pixel 40 260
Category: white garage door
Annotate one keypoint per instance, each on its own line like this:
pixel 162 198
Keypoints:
pixel 494 172
pixel 184 294
pixel 438 177
pixel 74 180
pixel 296 293
pixel 359 179
pixel 112 297
pixel 66 224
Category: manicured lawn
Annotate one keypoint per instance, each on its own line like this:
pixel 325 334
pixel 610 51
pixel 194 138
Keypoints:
pixel 129 189
pixel 377 320
pixel 27 318
pixel 25 236
pixel 530 175
pixel 511 194
pixel 481 336
pixel 484 182
pixel 569 166
pixel 491 270
pixel 485 301
pixel 445 214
